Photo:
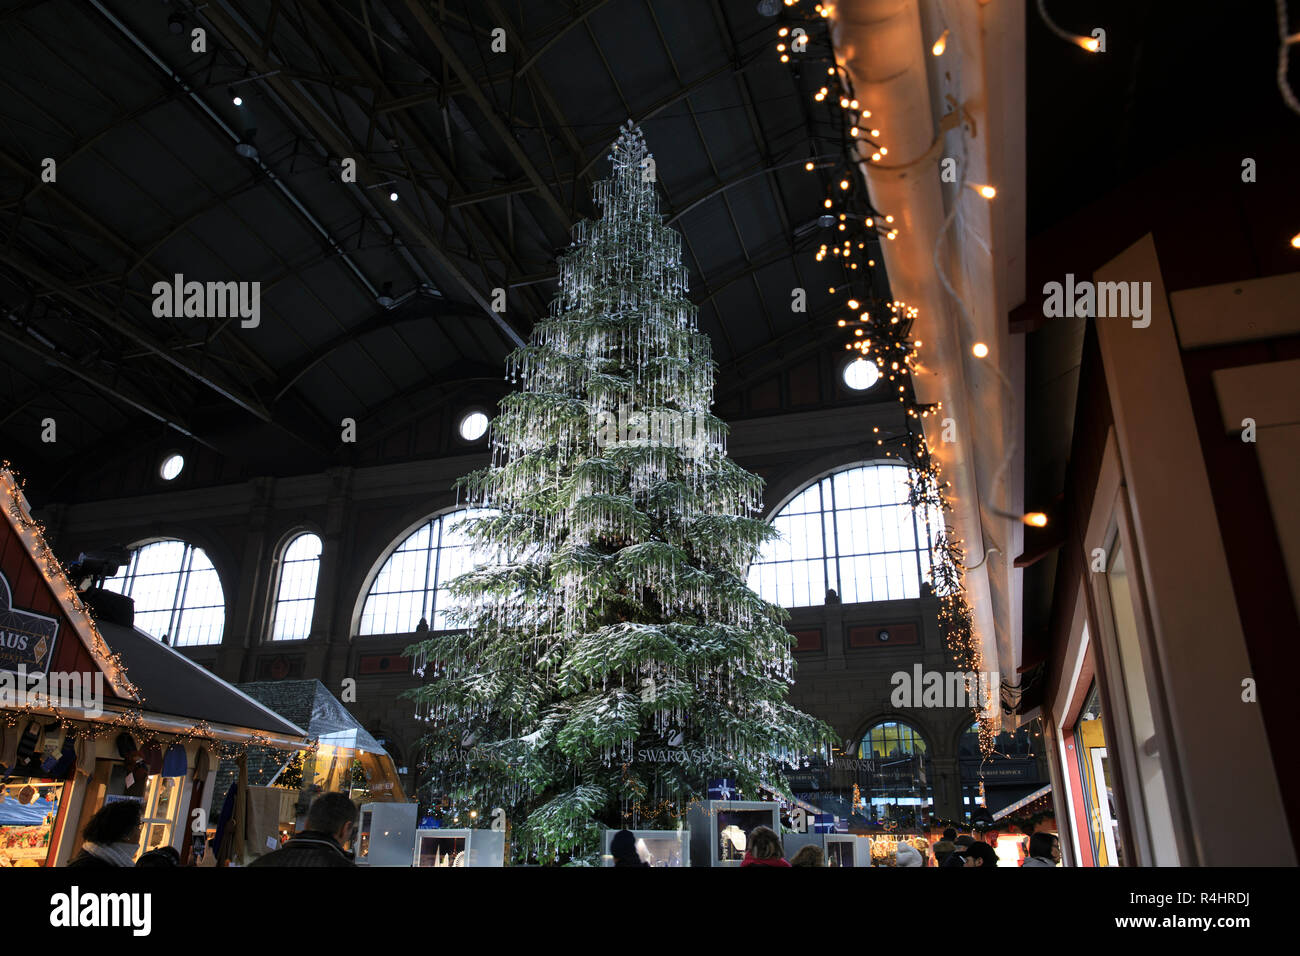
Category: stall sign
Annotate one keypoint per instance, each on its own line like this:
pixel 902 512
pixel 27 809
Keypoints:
pixel 26 638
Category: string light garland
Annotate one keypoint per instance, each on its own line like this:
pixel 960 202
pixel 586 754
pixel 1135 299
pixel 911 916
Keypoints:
pixel 882 333
pixel 132 719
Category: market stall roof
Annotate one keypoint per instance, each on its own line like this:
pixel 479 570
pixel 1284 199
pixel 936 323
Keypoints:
pixel 309 704
pixel 1024 802
pixel 170 683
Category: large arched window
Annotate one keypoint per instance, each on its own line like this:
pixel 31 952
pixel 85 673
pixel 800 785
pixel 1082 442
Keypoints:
pixel 412 583
pixel 295 596
pixel 177 593
pixel 852 531
pixel 896 779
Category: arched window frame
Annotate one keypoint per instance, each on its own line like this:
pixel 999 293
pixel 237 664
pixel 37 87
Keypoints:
pixel 830 555
pixel 435 576
pixel 295 564
pixel 130 577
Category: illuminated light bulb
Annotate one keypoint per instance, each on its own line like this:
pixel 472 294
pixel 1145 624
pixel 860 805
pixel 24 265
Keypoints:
pixel 871 262
pixel 830 71
pixel 784 31
pixel 853 131
pixel 1036 518
pixel 988 192
pixel 842 227
pixel 875 157
pixel 866 114
pixel 857 331
pixel 828 204
pixel 884 151
pixel 875 133
pixel 844 102
pixel 1091 44
pixel 847 346
pixel 780 47
pixel 1295 241
pixel 853 265
pixel 940 44
pixel 843 216
pixel 853 104
pixel 853 303
pixel 808 166
pixel 865 317
pixel 844 184
pixel 841 323
pixel 870 222
pixel 889 219
pixel 785 58
pixel 979 350
pixel 917 343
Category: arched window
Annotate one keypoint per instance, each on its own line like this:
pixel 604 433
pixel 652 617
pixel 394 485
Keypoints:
pixel 852 531
pixel 896 779
pixel 177 593
pixel 412 582
pixel 295 596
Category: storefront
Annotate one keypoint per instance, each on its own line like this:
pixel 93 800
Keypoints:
pixel 94 711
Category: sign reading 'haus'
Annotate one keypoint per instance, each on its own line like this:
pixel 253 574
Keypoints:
pixel 26 638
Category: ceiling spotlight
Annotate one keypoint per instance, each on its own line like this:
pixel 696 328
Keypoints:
pixel 235 97
pixel 769 8
pixel 979 350
pixel 392 197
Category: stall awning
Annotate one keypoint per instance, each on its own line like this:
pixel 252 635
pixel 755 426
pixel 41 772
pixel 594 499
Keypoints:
pixel 309 704
pixel 171 683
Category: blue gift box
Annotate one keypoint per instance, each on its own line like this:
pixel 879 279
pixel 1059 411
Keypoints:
pixel 723 790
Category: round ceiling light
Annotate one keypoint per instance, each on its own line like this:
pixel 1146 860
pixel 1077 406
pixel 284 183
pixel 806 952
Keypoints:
pixel 861 374
pixel 473 426
pixel 171 466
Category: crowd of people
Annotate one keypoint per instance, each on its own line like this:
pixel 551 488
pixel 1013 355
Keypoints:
pixel 112 836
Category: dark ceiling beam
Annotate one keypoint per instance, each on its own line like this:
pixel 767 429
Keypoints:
pixel 340 144
pixel 92 307
pixel 447 391
pixel 383 320
pixel 100 383
pixel 430 153
pixel 539 85
pixel 434 32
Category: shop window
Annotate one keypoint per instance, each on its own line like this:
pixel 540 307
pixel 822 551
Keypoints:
pixel 852 532
pixel 1097 778
pixel 412 584
pixel 895 780
pixel 295 597
pixel 28 811
pixel 177 593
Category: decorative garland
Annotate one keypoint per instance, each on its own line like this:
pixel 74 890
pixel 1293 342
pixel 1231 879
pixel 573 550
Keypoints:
pixel 882 331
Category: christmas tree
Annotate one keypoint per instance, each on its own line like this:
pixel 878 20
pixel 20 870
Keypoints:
pixel 613 658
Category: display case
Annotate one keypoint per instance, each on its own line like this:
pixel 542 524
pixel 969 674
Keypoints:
pixel 847 849
pixel 656 847
pixel 720 829
pixel 436 847
pixel 384 834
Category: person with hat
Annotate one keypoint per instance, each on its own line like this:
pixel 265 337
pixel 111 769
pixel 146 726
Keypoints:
pixel 111 837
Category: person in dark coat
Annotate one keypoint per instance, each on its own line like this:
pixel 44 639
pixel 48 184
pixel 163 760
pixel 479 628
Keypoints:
pixel 159 856
pixel 1044 850
pixel 623 849
pixel 111 836
pixel 330 823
